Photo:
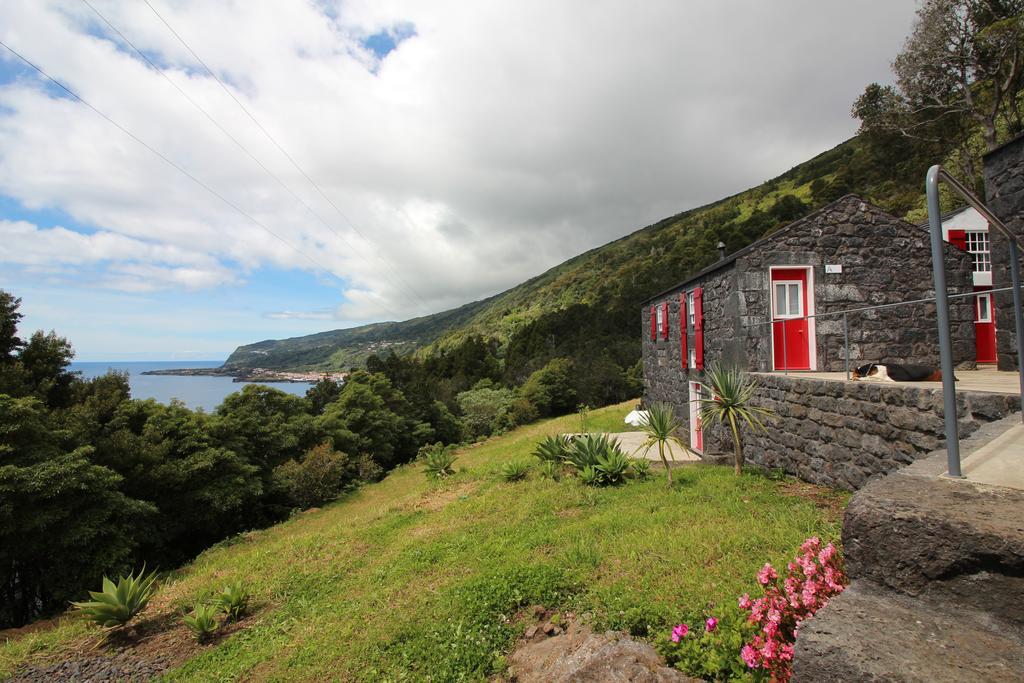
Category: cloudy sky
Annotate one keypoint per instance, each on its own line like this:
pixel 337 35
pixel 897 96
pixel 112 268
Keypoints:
pixel 374 160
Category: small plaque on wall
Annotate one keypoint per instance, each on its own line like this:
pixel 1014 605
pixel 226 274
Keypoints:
pixel 833 268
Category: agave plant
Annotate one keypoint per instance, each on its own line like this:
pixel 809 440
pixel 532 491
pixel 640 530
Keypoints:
pixel 586 450
pixel 438 462
pixel 551 448
pixel 732 391
pixel 233 600
pixel 550 469
pixel 515 470
pixel 613 466
pixel 641 468
pixel 590 476
pixel 116 605
pixel 202 622
pixel 661 427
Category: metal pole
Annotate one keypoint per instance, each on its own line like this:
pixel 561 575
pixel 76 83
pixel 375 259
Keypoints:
pixel 846 345
pixel 942 310
pixel 785 349
pixel 1018 317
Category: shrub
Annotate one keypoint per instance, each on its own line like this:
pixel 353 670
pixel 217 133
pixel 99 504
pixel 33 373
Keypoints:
pixel 813 577
pixel 202 622
pixel 233 600
pixel 515 470
pixel 486 410
pixel 550 469
pixel 438 460
pixel 116 605
pixel 641 468
pixel 710 647
pixel 585 450
pixel 551 388
pixel 602 459
pixel 590 476
pixel 321 476
pixel 551 448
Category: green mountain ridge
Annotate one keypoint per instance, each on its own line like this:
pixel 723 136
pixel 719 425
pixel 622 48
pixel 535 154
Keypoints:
pixel 616 277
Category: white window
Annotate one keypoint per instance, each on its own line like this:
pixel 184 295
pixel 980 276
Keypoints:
pixel 978 248
pixel 661 317
pixel 984 308
pixel 787 298
pixel 691 314
pixel 693 358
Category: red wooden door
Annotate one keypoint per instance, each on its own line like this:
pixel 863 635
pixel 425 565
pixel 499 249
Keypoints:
pixel 984 326
pixel 791 342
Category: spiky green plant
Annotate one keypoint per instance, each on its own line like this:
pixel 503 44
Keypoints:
pixel 438 462
pixel 116 605
pixel 613 466
pixel 515 470
pixel 641 468
pixel 661 428
pixel 551 448
pixel 233 600
pixel 203 621
pixel 550 469
pixel 732 390
pixel 590 476
pixel 585 450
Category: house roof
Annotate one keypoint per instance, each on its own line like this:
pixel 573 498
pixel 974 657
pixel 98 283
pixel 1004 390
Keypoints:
pixel 731 258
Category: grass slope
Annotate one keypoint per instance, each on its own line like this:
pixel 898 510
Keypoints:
pixel 409 577
pixel 620 273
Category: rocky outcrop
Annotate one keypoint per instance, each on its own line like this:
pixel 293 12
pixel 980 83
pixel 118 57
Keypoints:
pixel 581 656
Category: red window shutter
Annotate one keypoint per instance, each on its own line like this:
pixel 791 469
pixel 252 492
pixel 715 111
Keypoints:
pixel 698 328
pixel 682 328
pixel 958 238
pixel 654 324
pixel 664 320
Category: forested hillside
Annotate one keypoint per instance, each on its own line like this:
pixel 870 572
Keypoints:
pixel 587 309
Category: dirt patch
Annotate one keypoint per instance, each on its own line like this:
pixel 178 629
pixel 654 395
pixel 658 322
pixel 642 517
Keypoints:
pixel 432 501
pixel 35 627
pixel 830 500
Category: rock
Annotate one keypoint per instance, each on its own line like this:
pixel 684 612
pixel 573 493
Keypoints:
pixel 531 632
pixel 581 656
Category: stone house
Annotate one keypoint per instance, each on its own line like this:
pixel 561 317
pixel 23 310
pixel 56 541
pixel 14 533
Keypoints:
pixel 766 308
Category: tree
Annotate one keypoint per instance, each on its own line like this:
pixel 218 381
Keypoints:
pixel 10 344
pixel 962 67
pixel 321 394
pixel 321 476
pixel 551 389
pixel 265 426
pixel 732 391
pixel 661 428
pixel 486 409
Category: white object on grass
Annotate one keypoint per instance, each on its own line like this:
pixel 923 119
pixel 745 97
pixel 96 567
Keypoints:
pixel 637 418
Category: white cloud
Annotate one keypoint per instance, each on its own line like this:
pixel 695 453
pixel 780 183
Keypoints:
pixel 499 140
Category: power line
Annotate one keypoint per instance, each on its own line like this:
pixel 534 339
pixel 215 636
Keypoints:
pixel 270 137
pixel 164 158
pixel 223 130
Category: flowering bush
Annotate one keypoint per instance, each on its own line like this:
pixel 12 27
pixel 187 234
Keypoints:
pixel 755 643
pixel 710 648
pixel 812 579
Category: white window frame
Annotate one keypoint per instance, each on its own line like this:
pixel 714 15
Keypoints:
pixel 987 296
pixel 775 301
pixel 691 313
pixel 980 249
pixel 660 315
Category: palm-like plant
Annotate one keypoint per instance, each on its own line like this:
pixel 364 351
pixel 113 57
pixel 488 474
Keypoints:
pixel 661 427
pixel 732 390
pixel 117 603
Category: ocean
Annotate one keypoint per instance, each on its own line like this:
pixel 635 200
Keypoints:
pixel 195 392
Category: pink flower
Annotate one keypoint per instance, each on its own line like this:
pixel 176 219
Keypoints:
pixel 766 574
pixel 745 601
pixel 679 632
pixel 812 544
pixel 711 624
pixel 750 656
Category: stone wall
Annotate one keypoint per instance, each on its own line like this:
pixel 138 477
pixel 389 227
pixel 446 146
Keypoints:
pixel 844 433
pixel 1004 191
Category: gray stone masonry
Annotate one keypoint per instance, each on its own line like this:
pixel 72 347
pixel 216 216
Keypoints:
pixel 1004 191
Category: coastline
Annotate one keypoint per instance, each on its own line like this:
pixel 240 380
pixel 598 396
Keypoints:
pixel 253 374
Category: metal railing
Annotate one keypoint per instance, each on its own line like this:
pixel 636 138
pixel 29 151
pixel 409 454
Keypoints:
pixel 934 176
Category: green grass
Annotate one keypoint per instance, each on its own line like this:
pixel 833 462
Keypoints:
pixel 412 576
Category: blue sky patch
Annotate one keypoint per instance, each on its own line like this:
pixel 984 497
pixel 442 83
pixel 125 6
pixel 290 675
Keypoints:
pixel 384 42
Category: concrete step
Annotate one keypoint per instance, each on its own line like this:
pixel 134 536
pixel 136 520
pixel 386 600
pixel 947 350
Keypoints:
pixel 869 633
pixel 922 535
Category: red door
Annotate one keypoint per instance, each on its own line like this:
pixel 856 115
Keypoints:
pixel 790 336
pixel 984 326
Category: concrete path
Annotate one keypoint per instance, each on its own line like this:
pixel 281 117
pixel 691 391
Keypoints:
pixel 632 443
pixel 1000 462
pixel 987 380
